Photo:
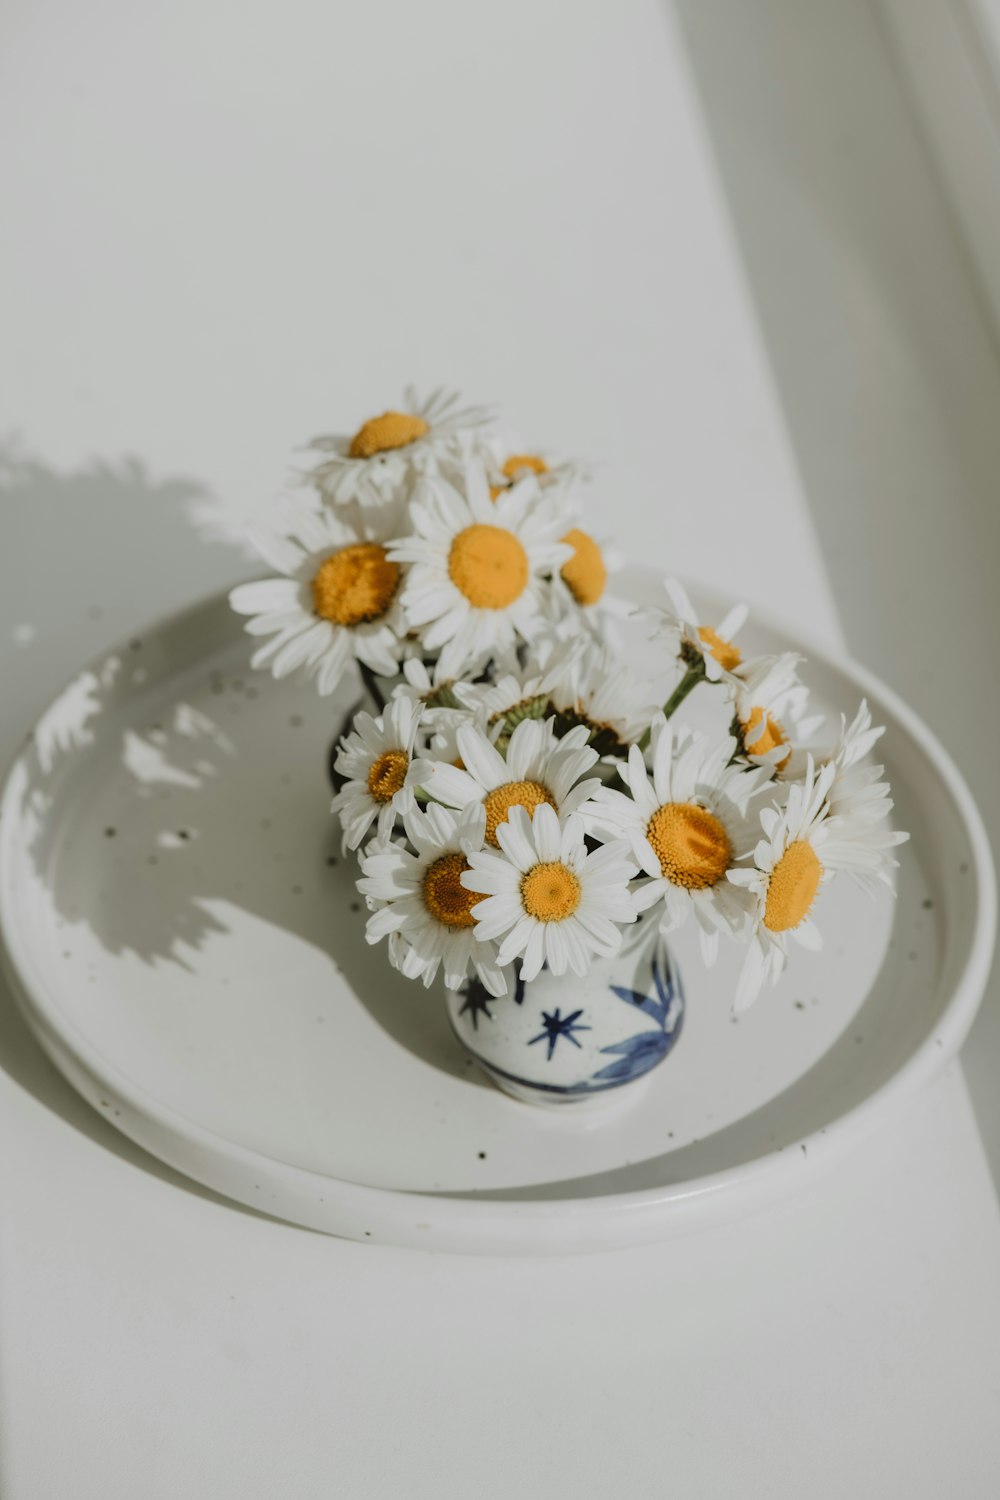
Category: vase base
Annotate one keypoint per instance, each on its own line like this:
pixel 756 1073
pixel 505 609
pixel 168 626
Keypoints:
pixel 569 1101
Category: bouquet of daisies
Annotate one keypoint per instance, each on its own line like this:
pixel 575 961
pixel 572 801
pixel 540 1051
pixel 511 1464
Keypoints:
pixel 518 794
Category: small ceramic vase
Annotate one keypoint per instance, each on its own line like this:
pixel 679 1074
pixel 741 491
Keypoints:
pixel 570 1041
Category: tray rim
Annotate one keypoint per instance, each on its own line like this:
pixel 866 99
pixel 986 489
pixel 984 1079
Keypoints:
pixel 506 1225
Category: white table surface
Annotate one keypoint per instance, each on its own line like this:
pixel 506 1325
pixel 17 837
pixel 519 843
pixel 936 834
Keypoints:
pixel 226 227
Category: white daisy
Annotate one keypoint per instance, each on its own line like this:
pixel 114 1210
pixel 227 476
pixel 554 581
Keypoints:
pixel 855 786
pixel 687 828
pixel 548 900
pixel 536 769
pixel 579 588
pixel 373 461
pixel 858 803
pixel 708 648
pixel 506 461
pixel 377 760
pixel 477 577
pixel 801 848
pixel 771 720
pixel 338 601
pixel 421 904
pixel 442 712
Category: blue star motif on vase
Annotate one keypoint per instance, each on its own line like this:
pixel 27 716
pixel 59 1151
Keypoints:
pixel 477 1003
pixel 554 1026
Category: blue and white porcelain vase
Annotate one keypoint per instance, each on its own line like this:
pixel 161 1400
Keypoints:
pixel 570 1041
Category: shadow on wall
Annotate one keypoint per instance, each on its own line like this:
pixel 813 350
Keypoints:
pixel 885 362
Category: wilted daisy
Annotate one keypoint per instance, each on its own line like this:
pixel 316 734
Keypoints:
pixel 708 648
pixel 575 682
pixel 510 695
pixel 477 577
pixel 338 601
pixel 771 720
pixel 422 905
pixel 687 827
pixel 592 686
pixel 501 704
pixel 548 900
pixel 377 760
pixel 425 683
pixel 801 848
pixel 372 461
pixel 536 770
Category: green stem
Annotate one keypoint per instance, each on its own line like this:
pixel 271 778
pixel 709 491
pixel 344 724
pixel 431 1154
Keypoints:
pixel 372 687
pixel 691 678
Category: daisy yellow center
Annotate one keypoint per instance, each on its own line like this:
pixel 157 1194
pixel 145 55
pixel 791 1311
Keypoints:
pixel 489 566
pixel 726 654
pixel 759 741
pixel 792 887
pixel 585 575
pixel 355 585
pixel 393 429
pixel 388 774
pixel 691 844
pixel 445 897
pixel 520 464
pixel 498 803
pixel 517 467
pixel 550 892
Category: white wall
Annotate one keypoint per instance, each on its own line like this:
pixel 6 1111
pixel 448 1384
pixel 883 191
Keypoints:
pixel 884 355
pixel 949 54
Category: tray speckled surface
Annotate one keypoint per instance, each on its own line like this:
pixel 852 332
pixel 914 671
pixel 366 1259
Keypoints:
pixel 188 946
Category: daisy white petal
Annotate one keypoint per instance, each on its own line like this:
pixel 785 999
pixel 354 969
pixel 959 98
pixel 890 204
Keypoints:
pixel 476 581
pixel 339 602
pixel 534 770
pixel 376 760
pixel 545 907
pixel 708 648
pixel 771 715
pixel 805 845
pixel 371 464
pixel 506 460
pixel 430 909
pixel 687 825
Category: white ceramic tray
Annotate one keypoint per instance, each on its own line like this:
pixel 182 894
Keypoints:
pixel 187 945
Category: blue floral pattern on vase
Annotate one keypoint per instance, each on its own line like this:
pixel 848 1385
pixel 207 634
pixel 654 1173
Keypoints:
pixel 564 1040
pixel 637 1054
